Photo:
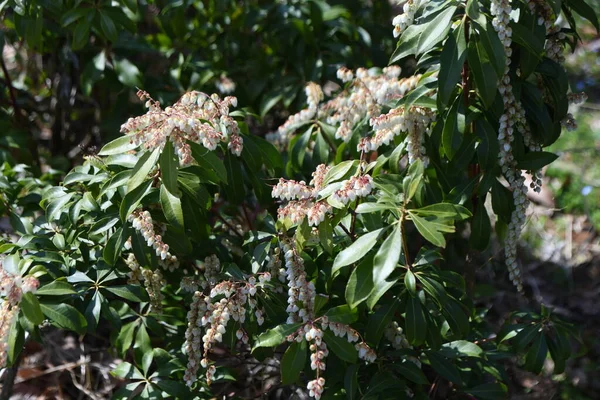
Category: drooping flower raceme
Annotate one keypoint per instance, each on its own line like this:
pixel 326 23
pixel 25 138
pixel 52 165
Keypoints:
pixel 142 222
pixel 302 199
pixel 195 117
pixel 415 122
pixel 406 19
pixel 12 288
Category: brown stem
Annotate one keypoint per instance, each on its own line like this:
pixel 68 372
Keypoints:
pixel 404 243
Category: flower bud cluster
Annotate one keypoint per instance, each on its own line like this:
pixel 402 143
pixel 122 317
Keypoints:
pixel 316 387
pixel 301 293
pixel 353 188
pixel 512 118
pixel 403 21
pixel 314 95
pixel 318 177
pixel 290 190
pixel 154 282
pixel 342 330
pixel 345 75
pixel 364 98
pixel 577 98
pixel 195 116
pixel 305 206
pixel 135 275
pixel 142 222
pixel 415 122
pixel 208 318
pixel 395 335
pixel 12 288
pixel 569 123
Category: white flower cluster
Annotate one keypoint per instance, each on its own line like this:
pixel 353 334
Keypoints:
pixel 316 387
pixel 225 85
pixel 365 97
pixel 135 274
pixel 301 293
pixel 403 21
pixel 208 318
pixel 314 95
pixel 142 222
pixel 12 288
pixel 342 330
pixel 195 116
pixel 415 122
pixel 291 190
pixel 344 74
pixel 395 335
pixel 353 188
pixel 513 118
pixel 306 204
pixel 318 176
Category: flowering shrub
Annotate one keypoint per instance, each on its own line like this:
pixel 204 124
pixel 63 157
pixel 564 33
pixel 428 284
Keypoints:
pixel 192 238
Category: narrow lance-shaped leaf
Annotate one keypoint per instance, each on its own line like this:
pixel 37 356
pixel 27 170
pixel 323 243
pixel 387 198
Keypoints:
pixel 356 250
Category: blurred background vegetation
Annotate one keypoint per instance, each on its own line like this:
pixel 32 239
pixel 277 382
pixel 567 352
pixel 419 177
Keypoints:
pixel 70 69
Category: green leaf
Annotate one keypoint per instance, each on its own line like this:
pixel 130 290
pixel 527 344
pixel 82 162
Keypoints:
pixel 434 289
pixel 103 225
pixel 484 75
pixel 65 316
pixel 445 368
pixel 451 63
pixel 114 247
pixel 489 391
pixel 356 250
pixel 416 324
pixel 132 199
pixel 360 284
pixel 525 336
pixel 444 210
pixel 410 371
pixel 209 161
pixel 387 256
pixel 379 321
pixel 171 206
pixel 461 348
pixel 168 168
pixel 342 314
pixel 488 148
pixel 536 160
pixel 142 168
pixel 108 27
pixel 235 188
pixel 126 370
pixel 537 354
pixel 276 336
pixel 428 230
pixel 73 15
pixel 15 342
pixel 451 135
pixel 491 43
pixel 585 11
pixel 351 382
pixel 31 308
pixel 456 317
pixel 436 30
pixel 481 228
pixel 55 288
pixel 293 362
pixel 81 34
pixel 340 346
pixel 410 282
pixel 128 292
pixel 557 357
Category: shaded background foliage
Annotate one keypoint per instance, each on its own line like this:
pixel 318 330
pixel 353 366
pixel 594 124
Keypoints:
pixel 73 67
